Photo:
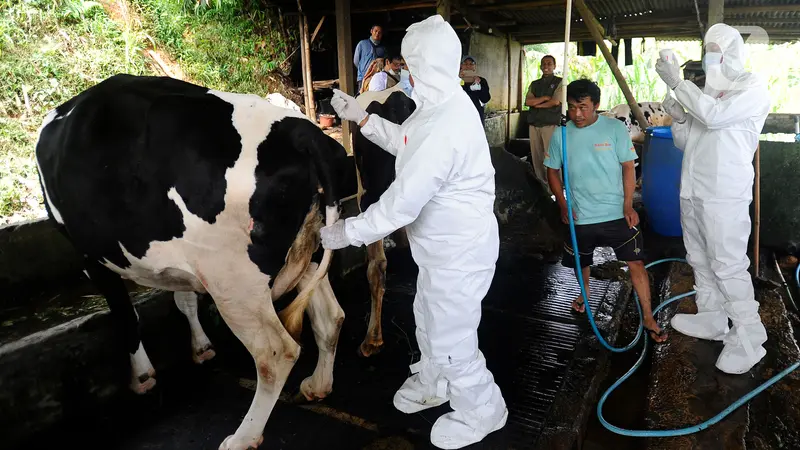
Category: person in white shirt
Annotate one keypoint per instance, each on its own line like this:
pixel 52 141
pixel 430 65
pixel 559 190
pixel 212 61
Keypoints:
pixel 389 76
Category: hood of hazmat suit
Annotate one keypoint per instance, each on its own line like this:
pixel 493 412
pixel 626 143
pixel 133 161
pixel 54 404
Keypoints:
pixel 719 138
pixel 443 193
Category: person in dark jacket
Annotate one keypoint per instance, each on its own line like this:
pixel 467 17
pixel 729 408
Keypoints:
pixel 476 87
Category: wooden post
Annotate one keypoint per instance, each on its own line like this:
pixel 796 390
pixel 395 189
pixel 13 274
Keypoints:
pixel 588 19
pixel 508 109
pixel 520 81
pixel 311 109
pixel 443 9
pixel 716 12
pixel 757 214
pixel 306 82
pixel 345 56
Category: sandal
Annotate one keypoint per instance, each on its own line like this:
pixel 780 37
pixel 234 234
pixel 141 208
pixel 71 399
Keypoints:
pixel 657 334
pixel 581 307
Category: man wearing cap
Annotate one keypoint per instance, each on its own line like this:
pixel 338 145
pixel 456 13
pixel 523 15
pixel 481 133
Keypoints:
pixel 476 87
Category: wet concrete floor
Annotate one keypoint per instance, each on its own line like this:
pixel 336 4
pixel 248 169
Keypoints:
pixel 527 334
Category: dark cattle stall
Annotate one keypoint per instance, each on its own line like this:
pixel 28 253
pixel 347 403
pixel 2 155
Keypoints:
pixel 65 380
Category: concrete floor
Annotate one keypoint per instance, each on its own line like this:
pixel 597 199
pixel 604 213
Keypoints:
pixel 526 333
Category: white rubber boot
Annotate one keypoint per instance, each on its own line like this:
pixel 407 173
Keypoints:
pixel 421 391
pixel 458 430
pixel 739 355
pixel 711 325
pixel 744 344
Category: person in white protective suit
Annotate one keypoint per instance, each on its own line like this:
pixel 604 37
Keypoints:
pixel 443 194
pixel 718 131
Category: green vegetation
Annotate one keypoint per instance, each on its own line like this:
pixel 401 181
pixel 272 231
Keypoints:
pixel 783 79
pixel 50 50
pixel 234 46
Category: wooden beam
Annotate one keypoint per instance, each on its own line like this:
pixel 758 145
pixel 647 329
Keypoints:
pixel 587 15
pixel 303 71
pixel 761 9
pixel 757 212
pixel 443 9
pixel 715 12
pixel 397 7
pixel 305 54
pixel 345 57
pixel 520 72
pixel 519 5
pixel 469 15
pixel 316 30
pixel 508 109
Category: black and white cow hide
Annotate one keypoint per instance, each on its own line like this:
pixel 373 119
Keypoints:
pixel 191 190
pixel 376 168
pixel 655 114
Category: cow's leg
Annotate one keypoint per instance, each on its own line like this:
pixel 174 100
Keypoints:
pixel 202 350
pixel 126 320
pixel 326 320
pixel 376 273
pixel 247 309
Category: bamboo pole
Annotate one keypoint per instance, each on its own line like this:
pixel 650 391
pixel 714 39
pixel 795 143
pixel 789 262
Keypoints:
pixel 508 94
pixel 443 9
pixel 316 30
pixel 302 47
pixel 520 87
pixel 311 109
pixel 757 219
pixel 588 17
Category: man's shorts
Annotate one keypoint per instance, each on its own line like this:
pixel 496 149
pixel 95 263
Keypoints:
pixel 628 243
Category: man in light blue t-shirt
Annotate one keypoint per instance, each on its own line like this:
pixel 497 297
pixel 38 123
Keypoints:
pixel 602 180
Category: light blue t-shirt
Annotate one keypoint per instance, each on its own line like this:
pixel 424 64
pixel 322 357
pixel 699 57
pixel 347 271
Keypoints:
pixel 595 156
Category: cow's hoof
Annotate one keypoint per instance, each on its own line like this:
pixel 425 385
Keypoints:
pixel 367 349
pixel 204 354
pixel 312 395
pixel 234 443
pixel 143 383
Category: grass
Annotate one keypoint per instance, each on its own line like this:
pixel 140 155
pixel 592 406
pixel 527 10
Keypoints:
pixel 49 51
pixel 234 45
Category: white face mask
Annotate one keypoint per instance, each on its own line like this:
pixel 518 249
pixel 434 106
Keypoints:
pixel 712 60
pixel 391 71
pixel 716 80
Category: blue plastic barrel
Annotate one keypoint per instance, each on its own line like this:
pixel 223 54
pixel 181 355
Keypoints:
pixel 661 181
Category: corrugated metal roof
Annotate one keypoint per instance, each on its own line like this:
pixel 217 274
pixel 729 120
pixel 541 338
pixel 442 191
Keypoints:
pixel 636 18
pixel 544 19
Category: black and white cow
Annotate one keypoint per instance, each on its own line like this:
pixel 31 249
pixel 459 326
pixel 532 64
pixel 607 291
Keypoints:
pixel 376 171
pixel 191 190
pixel 655 114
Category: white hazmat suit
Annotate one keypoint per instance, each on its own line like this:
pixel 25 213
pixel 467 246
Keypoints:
pixel 719 132
pixel 443 194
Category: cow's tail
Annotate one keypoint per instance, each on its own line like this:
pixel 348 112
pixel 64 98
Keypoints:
pixel 323 151
pixel 292 315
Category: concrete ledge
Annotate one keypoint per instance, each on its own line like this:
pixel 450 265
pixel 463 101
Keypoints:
pixel 34 252
pixel 63 371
